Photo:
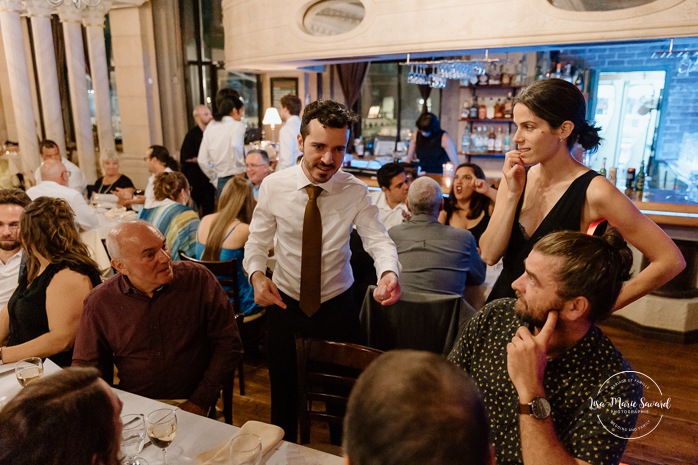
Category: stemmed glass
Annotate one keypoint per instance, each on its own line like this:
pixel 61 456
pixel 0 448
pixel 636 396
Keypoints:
pixel 162 428
pixel 132 439
pixel 28 370
pixel 246 449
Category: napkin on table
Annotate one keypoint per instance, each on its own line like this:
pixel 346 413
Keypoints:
pixel 269 434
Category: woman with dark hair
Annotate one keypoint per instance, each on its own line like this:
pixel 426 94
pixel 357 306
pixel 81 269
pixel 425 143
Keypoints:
pixel 222 235
pixel 431 145
pixel 171 214
pixel 222 150
pixel 544 189
pixel 470 202
pixel 42 316
pixel 70 417
pixel 157 160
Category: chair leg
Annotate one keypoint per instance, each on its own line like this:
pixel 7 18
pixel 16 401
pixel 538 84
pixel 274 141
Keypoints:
pixel 241 377
pixel 228 401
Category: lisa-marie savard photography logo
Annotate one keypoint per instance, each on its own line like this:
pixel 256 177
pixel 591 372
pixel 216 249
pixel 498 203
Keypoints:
pixel 650 409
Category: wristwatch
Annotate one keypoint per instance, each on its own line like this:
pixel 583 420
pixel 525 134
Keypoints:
pixel 538 408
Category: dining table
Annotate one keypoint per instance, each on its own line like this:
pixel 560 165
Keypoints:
pixel 195 434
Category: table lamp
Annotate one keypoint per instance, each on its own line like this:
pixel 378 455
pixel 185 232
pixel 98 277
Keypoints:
pixel 272 118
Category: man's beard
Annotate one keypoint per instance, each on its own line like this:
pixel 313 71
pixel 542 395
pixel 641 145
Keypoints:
pixel 9 245
pixel 533 317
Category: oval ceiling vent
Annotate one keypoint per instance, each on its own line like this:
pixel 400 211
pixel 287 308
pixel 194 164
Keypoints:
pixel 333 17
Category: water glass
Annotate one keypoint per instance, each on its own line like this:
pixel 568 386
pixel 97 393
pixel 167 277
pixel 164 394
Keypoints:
pixel 28 370
pixel 246 449
pixel 162 428
pixel 132 439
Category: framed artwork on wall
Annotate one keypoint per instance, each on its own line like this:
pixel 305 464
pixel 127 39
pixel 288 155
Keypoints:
pixel 280 87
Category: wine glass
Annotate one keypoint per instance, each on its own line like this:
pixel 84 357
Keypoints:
pixel 246 449
pixel 132 439
pixel 162 427
pixel 28 370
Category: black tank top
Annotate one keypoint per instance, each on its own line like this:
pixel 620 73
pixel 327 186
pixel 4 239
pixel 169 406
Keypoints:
pixel 430 152
pixel 27 308
pixel 565 215
pixel 476 230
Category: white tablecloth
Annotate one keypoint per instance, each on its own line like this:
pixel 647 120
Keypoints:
pixel 195 434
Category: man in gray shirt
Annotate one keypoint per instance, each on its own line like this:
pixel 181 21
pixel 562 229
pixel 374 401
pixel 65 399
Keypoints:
pixel 435 258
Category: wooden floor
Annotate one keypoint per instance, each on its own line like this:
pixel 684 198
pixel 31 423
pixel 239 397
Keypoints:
pixel 674 367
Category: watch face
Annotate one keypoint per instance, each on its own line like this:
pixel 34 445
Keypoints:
pixel 540 408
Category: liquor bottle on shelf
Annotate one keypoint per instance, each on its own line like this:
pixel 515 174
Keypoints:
pixel 495 74
pixel 602 171
pixel 567 75
pixel 558 71
pixel 499 109
pixel 524 71
pixel 508 110
pixel 473 109
pixel 465 143
pixel 630 179
pixel 499 141
pixel 518 73
pixel 481 140
pixel 489 109
pixel 481 109
pixel 506 143
pixel 491 139
pixel 579 79
pixel 640 178
pixel 466 109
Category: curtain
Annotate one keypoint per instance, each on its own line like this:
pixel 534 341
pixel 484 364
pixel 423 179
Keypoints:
pixel 351 78
pixel 424 91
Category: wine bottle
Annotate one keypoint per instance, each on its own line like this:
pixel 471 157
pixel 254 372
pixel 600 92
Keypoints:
pixel 465 143
pixel 640 178
pixel 491 140
pixel 602 171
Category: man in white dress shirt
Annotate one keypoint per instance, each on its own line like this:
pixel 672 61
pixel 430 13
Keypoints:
pixel 55 184
pixel 343 202
pixel 390 200
pixel 12 204
pixel 222 150
pixel 288 135
pixel 50 151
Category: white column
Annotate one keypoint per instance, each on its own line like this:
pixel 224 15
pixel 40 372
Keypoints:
pixel 45 62
pixel 19 84
pixel 72 33
pixel 93 19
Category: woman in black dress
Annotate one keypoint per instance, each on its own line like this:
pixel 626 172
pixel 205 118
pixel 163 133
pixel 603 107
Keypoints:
pixel 431 145
pixel 112 181
pixel 42 316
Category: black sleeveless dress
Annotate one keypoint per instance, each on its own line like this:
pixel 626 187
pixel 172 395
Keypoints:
pixel 430 152
pixel 27 308
pixel 565 215
pixel 476 230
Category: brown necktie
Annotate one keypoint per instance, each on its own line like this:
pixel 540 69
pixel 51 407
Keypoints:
pixel 311 253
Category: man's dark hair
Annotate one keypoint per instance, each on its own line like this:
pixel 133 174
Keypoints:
pixel 64 418
pixel 47 144
pixel 163 156
pixel 329 113
pixel 226 106
pixel 292 103
pixel 14 196
pixel 387 172
pixel 263 153
pixel 223 93
pixel 594 267
pixel 415 408
pixel 428 122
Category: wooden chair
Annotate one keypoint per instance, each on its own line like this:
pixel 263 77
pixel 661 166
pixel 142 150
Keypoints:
pixel 327 371
pixel 226 274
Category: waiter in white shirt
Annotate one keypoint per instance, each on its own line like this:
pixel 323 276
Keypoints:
pixel 12 204
pixel 288 135
pixel 294 305
pixel 50 151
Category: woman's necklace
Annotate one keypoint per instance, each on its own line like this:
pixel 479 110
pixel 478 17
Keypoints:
pixel 106 189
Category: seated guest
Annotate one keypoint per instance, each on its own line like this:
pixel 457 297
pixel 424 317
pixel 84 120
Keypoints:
pixel 540 360
pixel 222 235
pixel 257 168
pixel 55 184
pixel 470 202
pixel 435 258
pixel 12 204
pixel 168 327
pixel 158 161
pixel 70 417
pixel 390 200
pixel 171 214
pixel 112 181
pixel 415 408
pixel 50 151
pixel 42 315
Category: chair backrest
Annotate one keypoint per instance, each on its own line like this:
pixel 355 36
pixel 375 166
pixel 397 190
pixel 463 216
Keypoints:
pixel 419 321
pixel 226 272
pixel 327 371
